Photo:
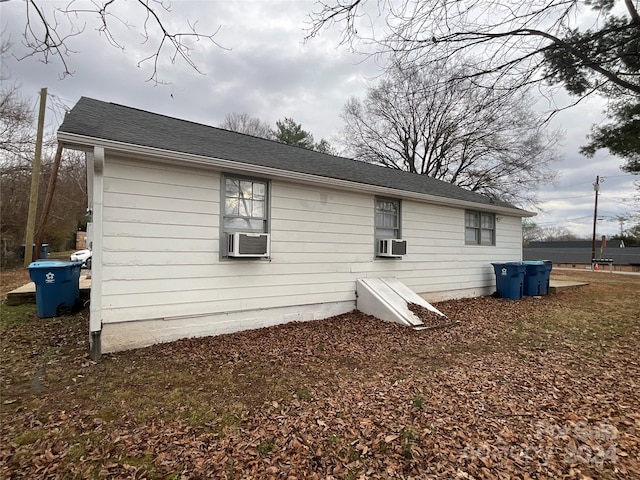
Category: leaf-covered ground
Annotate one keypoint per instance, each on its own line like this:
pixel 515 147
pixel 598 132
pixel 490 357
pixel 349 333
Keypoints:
pixel 537 388
pixel 11 279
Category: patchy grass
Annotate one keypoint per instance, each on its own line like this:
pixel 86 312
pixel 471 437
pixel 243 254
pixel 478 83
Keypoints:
pixel 541 387
pixel 29 436
pixel 14 316
pixel 418 401
pixel 304 394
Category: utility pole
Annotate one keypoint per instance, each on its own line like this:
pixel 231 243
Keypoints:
pixel 621 219
pixel 49 198
pixel 596 188
pixel 35 181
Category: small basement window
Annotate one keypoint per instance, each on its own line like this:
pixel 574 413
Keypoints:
pixel 479 228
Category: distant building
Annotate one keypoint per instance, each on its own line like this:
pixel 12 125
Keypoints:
pixel 577 253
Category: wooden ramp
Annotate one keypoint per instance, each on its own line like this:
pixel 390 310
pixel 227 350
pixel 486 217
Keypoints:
pixel 27 293
pixel 389 299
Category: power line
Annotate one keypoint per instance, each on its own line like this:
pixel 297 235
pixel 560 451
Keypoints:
pixel 565 198
pixel 628 175
pixel 606 216
pixel 574 185
pixel 563 221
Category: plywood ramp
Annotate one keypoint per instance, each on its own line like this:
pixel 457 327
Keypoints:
pixel 388 299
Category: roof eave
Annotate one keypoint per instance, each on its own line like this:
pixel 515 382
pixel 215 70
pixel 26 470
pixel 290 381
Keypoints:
pixel 87 143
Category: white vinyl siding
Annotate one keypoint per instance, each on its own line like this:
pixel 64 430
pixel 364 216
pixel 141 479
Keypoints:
pixel 162 265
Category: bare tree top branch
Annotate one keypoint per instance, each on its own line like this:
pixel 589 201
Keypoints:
pixel 508 38
pixel 47 38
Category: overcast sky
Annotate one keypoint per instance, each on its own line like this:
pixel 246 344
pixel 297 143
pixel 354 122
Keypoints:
pixel 263 67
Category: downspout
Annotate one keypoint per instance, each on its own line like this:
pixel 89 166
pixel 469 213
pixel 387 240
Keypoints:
pixel 95 309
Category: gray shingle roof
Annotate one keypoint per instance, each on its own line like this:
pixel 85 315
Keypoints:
pixel 109 121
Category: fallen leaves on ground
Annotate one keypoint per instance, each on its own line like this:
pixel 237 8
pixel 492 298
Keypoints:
pixel 429 318
pixel 537 388
pixel 11 279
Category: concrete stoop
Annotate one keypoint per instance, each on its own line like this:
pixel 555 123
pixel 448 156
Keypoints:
pixel 388 299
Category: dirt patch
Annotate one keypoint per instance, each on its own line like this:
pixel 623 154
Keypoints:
pixel 536 388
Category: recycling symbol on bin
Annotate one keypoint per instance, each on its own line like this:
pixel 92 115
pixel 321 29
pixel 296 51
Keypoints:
pixel 504 271
pixel 50 277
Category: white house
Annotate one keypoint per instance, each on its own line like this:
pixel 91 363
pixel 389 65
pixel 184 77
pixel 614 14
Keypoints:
pixel 202 231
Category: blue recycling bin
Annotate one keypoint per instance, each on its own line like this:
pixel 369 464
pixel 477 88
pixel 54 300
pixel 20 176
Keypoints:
pixel 546 277
pixel 509 279
pixel 534 279
pixel 57 286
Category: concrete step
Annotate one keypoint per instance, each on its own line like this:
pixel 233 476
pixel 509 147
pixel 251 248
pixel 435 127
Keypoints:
pixel 556 286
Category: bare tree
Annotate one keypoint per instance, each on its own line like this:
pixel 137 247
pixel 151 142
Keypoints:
pixel 472 137
pixel 244 123
pixel 531 232
pixel 48 31
pixel 587 46
pixel 556 233
pixel 17 134
pixel 17 144
pixel 67 211
pixel 529 42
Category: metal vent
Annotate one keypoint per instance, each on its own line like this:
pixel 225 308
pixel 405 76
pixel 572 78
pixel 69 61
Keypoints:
pixel 399 247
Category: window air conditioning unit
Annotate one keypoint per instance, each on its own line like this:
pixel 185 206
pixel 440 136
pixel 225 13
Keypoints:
pixel 248 245
pixel 392 247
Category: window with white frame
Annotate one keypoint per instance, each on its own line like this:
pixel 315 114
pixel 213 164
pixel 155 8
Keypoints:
pixel 480 228
pixel 387 220
pixel 245 205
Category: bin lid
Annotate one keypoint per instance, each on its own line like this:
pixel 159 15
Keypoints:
pixel 534 262
pixel 52 264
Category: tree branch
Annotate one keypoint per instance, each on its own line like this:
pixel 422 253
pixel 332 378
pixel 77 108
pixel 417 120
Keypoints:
pixel 53 42
pixel 635 17
pixel 587 62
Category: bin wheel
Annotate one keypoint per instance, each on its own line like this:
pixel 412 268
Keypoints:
pixel 63 311
pixel 88 263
